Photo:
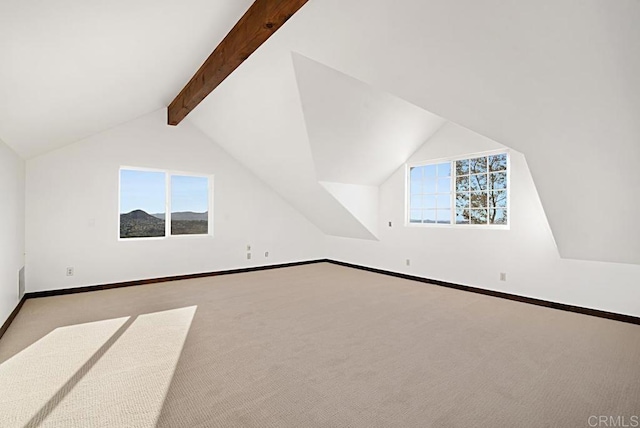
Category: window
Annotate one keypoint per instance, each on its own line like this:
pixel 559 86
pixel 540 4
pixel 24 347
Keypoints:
pixel 142 204
pixel 430 200
pixel 475 187
pixel 156 204
pixel 189 205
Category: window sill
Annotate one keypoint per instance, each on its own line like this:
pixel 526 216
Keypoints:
pixel 458 226
pixel 165 238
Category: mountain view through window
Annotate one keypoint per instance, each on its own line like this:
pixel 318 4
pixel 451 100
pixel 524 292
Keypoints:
pixel 144 204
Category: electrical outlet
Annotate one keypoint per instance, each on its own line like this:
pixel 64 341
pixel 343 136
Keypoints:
pixel 266 254
pixel 248 247
pixel 70 271
pixel 390 224
pixel 503 276
pixel 248 256
pixel 408 262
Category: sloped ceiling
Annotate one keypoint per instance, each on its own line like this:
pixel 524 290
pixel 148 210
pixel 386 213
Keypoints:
pixel 72 68
pixel 553 79
pixel 323 140
pixel 256 115
pixel 358 135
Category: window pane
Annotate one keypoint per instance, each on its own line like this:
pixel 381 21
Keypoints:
pixel 498 216
pixel 415 202
pixel 444 169
pixel 415 182
pixel 462 184
pixel 462 167
pixel 416 187
pixel 142 204
pixel 478 185
pixel 429 185
pixel 478 216
pixel 444 185
pixel 189 205
pixel 462 200
pixel 498 180
pixel 478 200
pixel 444 216
pixel 429 202
pixel 498 199
pixel 462 216
pixel 444 201
pixel 416 173
pixel 478 165
pixel 498 162
pixel 429 216
pixel 429 170
pixel 415 216
pixel 478 182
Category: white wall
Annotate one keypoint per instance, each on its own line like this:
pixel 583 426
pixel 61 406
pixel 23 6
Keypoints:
pixel 72 220
pixel 360 200
pixel 72 211
pixel 11 228
pixel 527 252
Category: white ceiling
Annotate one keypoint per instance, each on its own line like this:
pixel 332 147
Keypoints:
pixel 358 135
pixel 73 68
pixel 555 79
pixel 256 115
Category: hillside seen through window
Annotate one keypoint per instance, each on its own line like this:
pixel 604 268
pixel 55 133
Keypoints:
pixel 147 196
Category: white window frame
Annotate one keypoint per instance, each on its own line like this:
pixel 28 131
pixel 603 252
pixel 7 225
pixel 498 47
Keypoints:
pixel 167 208
pixel 453 159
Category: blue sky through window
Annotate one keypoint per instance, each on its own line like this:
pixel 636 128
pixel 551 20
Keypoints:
pixel 430 193
pixel 142 190
pixel 189 194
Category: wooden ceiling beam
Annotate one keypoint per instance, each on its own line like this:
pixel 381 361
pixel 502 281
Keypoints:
pixel 259 22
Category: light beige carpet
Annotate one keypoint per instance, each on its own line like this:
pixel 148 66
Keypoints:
pixel 318 345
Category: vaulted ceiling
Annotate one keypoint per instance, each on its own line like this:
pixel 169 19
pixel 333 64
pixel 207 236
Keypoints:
pixel 73 68
pixel 554 79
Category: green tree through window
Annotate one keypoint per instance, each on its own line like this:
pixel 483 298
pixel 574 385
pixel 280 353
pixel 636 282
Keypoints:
pixel 478 187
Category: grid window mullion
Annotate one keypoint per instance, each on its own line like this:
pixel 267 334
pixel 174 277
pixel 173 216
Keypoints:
pixel 481 194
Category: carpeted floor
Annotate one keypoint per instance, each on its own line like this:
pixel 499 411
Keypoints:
pixel 317 345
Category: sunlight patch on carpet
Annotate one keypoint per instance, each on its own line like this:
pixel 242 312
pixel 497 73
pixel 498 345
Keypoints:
pixel 107 373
